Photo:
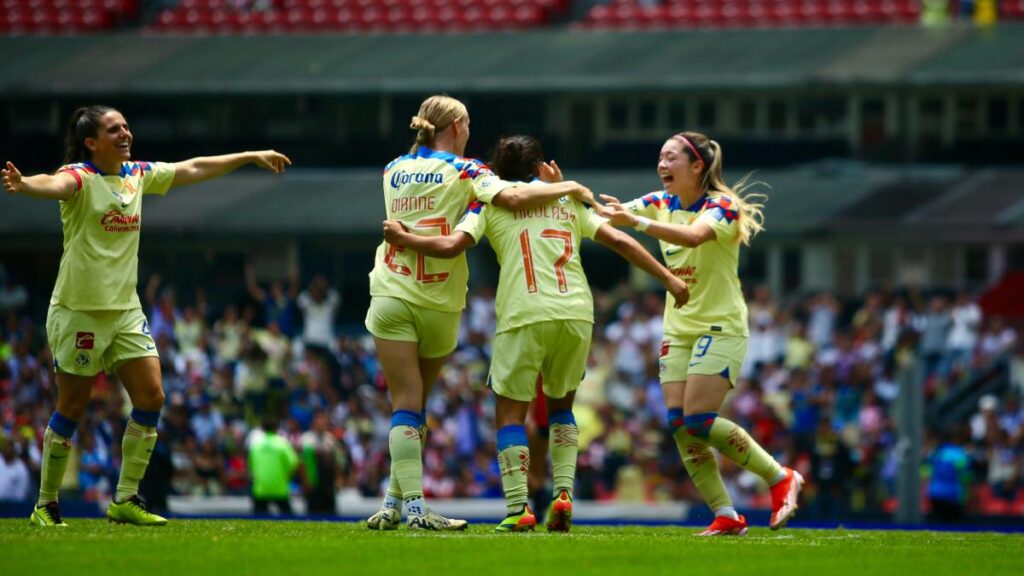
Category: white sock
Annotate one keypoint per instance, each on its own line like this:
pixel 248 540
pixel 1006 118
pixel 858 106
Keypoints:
pixel 728 512
pixel 393 502
pixel 416 507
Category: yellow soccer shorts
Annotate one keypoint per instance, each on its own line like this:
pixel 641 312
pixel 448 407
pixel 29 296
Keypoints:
pixel 707 354
pixel 395 319
pixel 84 342
pixel 557 349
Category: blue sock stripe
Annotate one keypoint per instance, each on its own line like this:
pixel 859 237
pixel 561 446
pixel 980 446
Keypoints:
pixel 564 417
pixel 423 418
pixel 62 425
pixel 514 435
pixel 674 419
pixel 145 417
pixel 406 418
pixel 699 425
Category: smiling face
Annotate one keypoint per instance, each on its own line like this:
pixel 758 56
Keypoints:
pixel 112 144
pixel 675 169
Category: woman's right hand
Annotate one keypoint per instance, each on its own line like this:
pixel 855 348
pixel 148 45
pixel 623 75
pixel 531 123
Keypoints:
pixel 393 232
pixel 550 172
pixel 12 179
pixel 679 290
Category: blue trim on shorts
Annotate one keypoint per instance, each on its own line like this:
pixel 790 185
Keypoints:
pixel 62 425
pixel 406 418
pixel 513 435
pixel 146 417
pixel 563 417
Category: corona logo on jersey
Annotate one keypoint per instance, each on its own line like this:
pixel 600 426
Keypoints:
pixel 400 178
pixel 117 221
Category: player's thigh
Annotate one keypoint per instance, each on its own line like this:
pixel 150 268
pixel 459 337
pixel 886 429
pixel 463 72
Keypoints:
pixel 715 364
pixel 673 368
pixel 438 331
pixel 516 359
pixel 132 340
pixel 567 346
pixel 78 339
pixel 390 318
pixel 141 379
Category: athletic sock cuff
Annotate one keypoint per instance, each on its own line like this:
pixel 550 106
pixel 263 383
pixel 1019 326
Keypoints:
pixel 146 417
pixel 406 418
pixel 62 425
pixel 674 419
pixel 699 425
pixel 563 417
pixel 514 435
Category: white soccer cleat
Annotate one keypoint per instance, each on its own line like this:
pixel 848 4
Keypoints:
pixel 385 519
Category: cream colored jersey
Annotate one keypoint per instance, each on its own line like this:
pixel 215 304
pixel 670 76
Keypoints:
pixel 99 269
pixel 538 250
pixel 428 192
pixel 710 270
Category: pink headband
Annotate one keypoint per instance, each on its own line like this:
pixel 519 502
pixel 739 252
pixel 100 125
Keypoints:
pixel 690 145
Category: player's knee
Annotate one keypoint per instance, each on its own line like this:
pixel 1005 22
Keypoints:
pixel 699 425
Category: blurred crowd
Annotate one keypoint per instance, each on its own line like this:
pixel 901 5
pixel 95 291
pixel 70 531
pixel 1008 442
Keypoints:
pixel 818 390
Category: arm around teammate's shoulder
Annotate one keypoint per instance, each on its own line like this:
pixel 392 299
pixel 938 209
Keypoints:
pixel 449 246
pixel 539 193
pixel 60 186
pixel 625 246
pixel 204 168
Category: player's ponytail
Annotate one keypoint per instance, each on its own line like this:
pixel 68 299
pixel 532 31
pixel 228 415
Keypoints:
pixel 436 114
pixel 85 123
pixel 517 158
pixel 749 205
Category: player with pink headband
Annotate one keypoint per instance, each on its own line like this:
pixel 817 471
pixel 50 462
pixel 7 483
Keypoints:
pixel 700 223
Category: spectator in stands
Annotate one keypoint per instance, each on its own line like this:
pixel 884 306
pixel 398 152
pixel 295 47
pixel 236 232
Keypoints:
pixel 963 334
pixel 935 326
pixel 14 477
pixel 272 464
pixel 12 297
pixel 278 304
pixel 322 457
pixel 950 473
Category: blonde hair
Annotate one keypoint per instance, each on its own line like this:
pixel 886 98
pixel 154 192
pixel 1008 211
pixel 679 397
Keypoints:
pixel 749 205
pixel 436 114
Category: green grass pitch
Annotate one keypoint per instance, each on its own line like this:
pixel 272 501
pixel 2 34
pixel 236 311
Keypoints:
pixel 227 547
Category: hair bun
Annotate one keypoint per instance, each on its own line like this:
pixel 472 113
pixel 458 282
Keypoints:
pixel 422 125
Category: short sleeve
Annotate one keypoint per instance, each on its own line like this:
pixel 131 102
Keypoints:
pixel 647 205
pixel 474 221
pixel 590 222
pixel 486 184
pixel 721 214
pixel 157 177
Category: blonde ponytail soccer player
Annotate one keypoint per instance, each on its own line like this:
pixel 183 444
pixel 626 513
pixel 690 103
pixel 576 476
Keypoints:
pixel 416 300
pixel 545 315
pixel 700 223
pixel 95 321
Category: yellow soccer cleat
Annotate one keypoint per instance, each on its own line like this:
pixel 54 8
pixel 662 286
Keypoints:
pixel 48 515
pixel 133 511
pixel 524 521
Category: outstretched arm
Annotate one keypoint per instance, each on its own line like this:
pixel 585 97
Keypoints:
pixel 208 167
pixel 635 254
pixel 540 193
pixel 61 186
pixel 689 236
pixel 448 246
pixel 255 291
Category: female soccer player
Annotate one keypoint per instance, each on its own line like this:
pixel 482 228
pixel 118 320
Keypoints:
pixel 545 316
pixel 700 223
pixel 416 301
pixel 95 321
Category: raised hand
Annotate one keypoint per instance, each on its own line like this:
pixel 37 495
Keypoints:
pixel 617 215
pixel 272 161
pixel 550 172
pixel 12 179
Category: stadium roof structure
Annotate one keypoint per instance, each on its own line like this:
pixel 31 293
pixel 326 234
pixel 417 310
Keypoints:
pixel 545 61
pixel 842 200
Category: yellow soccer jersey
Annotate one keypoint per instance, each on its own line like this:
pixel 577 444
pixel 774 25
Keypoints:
pixel 428 192
pixel 538 250
pixel 99 269
pixel 711 270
